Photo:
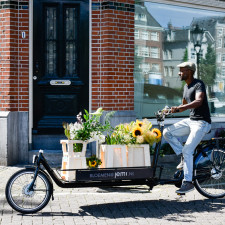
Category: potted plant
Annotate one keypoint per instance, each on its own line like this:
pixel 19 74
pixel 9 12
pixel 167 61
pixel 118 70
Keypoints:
pixel 87 129
pixel 133 141
pixel 93 162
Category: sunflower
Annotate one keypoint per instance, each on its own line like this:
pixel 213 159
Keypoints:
pixel 157 132
pixel 137 131
pixel 92 164
pixel 150 137
pixel 139 123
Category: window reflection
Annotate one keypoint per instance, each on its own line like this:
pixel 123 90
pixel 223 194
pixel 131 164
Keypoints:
pixel 163 39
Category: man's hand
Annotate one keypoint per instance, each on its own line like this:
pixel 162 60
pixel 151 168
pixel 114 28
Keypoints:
pixel 175 109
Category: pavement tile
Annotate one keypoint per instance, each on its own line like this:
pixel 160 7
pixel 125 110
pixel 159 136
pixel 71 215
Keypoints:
pixel 113 206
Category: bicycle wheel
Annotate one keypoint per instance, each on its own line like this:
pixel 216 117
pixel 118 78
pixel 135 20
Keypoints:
pixel 209 174
pixel 23 200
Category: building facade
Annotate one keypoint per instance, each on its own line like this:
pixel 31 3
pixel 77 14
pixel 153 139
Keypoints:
pixel 58 57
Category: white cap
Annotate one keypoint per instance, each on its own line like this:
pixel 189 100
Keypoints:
pixel 189 65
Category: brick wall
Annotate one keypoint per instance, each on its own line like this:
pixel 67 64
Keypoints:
pixel 113 54
pixel 14 55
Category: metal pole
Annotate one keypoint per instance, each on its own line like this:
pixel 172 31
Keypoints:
pixel 198 56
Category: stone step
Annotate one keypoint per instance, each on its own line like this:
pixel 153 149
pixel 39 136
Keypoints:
pixel 50 142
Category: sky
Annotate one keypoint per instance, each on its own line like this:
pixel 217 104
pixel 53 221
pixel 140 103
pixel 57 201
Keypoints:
pixel 179 16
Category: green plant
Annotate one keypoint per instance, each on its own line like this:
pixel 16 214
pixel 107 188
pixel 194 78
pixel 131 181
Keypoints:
pixel 138 132
pixel 77 147
pixel 152 150
pixel 88 126
pixel 93 162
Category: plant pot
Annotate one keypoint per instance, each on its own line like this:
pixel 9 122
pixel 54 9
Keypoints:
pixel 138 155
pixel 71 159
pixel 113 156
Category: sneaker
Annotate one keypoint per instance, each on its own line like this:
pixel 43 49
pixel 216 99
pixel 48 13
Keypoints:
pixel 181 164
pixel 185 187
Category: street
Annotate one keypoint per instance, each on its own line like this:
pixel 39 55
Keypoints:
pixel 121 205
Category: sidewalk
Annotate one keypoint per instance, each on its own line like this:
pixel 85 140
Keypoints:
pixel 113 206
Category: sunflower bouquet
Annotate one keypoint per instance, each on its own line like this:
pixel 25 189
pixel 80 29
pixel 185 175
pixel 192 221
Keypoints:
pixel 139 132
pixel 93 162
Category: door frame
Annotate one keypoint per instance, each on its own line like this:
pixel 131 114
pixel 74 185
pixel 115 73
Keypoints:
pixel 31 67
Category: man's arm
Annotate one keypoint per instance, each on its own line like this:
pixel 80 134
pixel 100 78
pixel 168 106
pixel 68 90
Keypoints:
pixel 199 96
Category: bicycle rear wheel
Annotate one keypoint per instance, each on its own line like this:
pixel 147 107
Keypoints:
pixel 24 200
pixel 209 173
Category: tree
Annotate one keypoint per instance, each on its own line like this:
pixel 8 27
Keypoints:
pixel 185 57
pixel 207 68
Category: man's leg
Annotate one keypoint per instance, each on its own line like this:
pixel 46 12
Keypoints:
pixel 198 131
pixel 178 129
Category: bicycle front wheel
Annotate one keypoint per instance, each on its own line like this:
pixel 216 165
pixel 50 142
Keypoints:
pixel 24 200
pixel 209 174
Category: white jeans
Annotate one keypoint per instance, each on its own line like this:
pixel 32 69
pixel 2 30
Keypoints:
pixel 196 130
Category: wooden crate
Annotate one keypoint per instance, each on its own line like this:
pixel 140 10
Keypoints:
pixel 113 156
pixel 71 159
pixel 138 155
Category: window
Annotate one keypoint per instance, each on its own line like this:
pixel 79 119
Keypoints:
pixel 223 71
pixel 137 34
pixel 167 28
pixel 142 17
pixel 218 57
pixel 164 55
pixel 219 43
pixel 170 71
pixel 169 54
pixel 166 73
pixel 145 35
pixel 154 36
pixel 145 67
pixel 223 57
pixel 220 32
pixel 145 51
pixel 154 52
pixel 155 67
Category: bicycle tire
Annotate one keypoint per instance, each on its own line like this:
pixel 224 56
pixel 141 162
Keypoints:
pixel 24 201
pixel 209 173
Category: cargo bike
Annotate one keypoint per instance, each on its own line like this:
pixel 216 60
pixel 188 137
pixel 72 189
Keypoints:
pixel 29 190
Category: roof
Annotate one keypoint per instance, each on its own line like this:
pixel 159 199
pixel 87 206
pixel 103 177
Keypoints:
pixel 150 19
pixel 208 23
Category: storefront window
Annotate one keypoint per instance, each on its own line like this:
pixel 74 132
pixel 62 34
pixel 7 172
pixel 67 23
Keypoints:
pixel 165 39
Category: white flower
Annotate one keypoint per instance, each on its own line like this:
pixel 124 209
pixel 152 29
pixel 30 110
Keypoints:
pixel 98 136
pixel 101 139
pixel 74 128
pixel 98 112
pixel 127 138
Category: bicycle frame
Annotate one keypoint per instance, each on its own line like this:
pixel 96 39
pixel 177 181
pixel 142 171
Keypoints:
pixel 40 160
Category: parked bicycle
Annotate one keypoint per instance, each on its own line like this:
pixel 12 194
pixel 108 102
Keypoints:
pixel 29 190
